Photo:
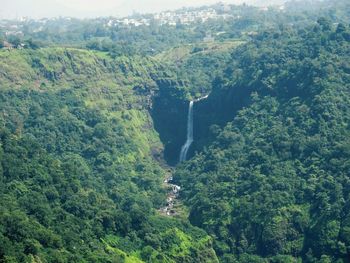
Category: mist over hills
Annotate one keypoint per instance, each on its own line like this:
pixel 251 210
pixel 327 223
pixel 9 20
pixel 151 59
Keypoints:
pixel 83 9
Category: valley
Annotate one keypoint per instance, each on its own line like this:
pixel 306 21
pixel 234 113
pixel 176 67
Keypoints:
pixel 157 143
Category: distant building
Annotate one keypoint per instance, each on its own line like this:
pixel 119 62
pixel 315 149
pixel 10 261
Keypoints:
pixel 21 46
pixel 14 33
pixel 264 8
pixel 208 38
pixel 8 45
pixel 250 33
pixel 224 7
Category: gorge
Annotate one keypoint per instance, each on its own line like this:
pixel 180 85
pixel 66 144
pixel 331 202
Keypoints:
pixel 109 152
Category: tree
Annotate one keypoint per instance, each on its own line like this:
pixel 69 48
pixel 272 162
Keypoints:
pixel 32 44
pixel 15 41
pixel 1 42
pixel 324 23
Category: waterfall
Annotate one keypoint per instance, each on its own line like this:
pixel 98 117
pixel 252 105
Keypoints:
pixel 189 140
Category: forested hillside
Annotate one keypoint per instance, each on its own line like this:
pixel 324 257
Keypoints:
pixel 274 183
pixel 93 116
pixel 79 176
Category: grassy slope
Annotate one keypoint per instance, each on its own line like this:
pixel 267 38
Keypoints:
pixel 104 84
pixel 182 53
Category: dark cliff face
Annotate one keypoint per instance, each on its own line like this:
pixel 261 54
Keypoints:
pixel 170 108
pixel 220 107
pixel 169 113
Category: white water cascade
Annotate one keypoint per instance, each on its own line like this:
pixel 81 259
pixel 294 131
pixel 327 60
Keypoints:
pixel 189 140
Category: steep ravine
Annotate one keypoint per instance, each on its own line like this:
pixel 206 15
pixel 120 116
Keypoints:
pixel 169 113
pixel 173 205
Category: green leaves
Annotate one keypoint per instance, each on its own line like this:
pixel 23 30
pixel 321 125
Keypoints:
pixel 76 163
pixel 272 184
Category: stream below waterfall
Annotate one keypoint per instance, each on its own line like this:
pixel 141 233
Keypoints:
pixel 170 209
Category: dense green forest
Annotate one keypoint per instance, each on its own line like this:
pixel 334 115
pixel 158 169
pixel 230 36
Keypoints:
pixel 274 181
pixel 79 176
pixel 92 120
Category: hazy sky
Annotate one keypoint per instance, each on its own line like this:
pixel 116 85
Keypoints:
pixel 93 8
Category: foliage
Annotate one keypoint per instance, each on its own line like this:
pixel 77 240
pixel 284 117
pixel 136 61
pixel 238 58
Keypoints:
pixel 77 161
pixel 273 184
pixel 88 115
